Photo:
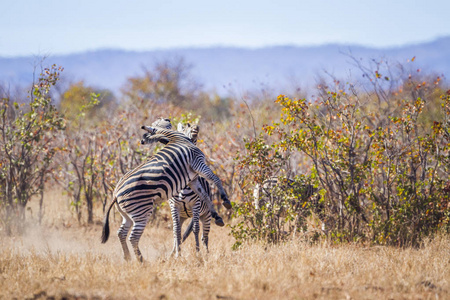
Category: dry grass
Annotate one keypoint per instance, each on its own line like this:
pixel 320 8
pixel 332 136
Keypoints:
pixel 62 259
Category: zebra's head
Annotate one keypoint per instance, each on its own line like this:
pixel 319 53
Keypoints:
pixel 191 131
pixel 162 123
pixel 149 138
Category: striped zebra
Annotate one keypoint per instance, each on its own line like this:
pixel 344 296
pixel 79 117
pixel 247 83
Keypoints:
pixel 170 170
pixel 187 204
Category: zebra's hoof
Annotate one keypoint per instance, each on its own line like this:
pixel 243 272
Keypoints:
pixel 227 204
pixel 219 222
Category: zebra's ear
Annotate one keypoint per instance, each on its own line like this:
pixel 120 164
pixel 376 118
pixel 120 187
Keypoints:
pixel 180 127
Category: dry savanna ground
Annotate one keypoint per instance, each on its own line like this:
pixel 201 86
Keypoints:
pixel 64 260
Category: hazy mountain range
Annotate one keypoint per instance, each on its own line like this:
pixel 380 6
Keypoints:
pixel 228 69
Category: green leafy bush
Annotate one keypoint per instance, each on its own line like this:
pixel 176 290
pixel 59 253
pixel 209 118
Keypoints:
pixel 383 171
pixel 27 148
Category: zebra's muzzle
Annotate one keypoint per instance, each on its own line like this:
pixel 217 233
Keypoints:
pixel 148 128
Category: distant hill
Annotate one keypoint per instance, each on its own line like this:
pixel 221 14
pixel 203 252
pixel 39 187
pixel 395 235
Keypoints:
pixel 227 69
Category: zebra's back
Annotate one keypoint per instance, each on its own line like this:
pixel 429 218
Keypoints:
pixel 164 176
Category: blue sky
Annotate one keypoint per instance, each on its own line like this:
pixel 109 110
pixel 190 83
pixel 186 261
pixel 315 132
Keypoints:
pixel 51 27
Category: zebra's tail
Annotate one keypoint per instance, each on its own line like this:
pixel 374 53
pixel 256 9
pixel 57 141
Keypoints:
pixel 110 186
pixel 105 231
pixel 188 230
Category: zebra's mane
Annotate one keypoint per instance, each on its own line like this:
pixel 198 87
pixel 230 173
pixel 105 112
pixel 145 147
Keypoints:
pixel 155 134
pixel 151 137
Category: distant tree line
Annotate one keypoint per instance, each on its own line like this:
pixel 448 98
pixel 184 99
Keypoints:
pixel 376 152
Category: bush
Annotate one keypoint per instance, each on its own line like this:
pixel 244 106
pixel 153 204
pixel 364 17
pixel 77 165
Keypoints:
pixel 384 176
pixel 277 207
pixel 27 148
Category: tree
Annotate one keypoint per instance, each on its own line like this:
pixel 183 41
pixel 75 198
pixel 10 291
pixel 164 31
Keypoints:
pixel 168 82
pixel 27 148
pixel 78 99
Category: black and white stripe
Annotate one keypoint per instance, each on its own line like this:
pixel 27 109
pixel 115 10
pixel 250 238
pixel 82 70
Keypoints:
pixel 170 170
pixel 188 205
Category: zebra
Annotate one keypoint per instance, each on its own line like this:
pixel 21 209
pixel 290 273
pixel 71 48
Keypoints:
pixel 187 204
pixel 192 197
pixel 171 169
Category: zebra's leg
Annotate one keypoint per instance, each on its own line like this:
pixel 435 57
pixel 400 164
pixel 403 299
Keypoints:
pixel 195 220
pixel 135 236
pixel 123 232
pixel 217 219
pixel 176 229
pixel 140 221
pixel 206 225
pixel 177 246
pixel 200 191
pixel 188 231
pixel 203 170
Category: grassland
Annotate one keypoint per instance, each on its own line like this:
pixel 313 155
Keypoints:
pixel 62 259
